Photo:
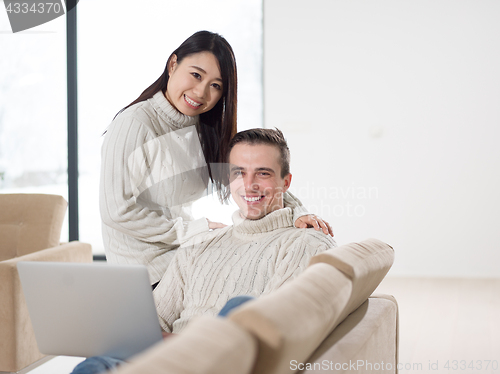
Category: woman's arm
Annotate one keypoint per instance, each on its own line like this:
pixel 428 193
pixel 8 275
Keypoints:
pixel 301 218
pixel 119 194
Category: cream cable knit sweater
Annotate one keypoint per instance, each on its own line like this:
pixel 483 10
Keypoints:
pixel 150 173
pixel 152 170
pixel 252 257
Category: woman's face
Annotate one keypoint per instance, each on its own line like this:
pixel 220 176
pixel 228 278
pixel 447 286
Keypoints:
pixel 195 84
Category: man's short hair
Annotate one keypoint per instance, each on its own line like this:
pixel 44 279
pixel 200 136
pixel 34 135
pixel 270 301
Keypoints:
pixel 272 137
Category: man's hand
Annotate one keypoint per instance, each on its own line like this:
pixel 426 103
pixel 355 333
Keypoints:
pixel 215 225
pixel 313 221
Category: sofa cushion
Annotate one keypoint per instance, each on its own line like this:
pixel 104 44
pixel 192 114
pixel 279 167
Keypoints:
pixel 207 345
pixel 366 263
pixel 29 223
pixel 293 320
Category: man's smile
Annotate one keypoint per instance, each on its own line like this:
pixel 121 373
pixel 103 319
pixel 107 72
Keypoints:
pixel 251 199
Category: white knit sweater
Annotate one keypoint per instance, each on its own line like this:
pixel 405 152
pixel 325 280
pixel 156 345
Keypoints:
pixel 150 174
pixel 152 169
pixel 252 257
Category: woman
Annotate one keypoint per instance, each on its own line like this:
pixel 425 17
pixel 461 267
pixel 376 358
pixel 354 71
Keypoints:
pixel 161 151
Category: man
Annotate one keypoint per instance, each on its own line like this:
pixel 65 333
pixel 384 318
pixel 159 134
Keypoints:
pixel 257 254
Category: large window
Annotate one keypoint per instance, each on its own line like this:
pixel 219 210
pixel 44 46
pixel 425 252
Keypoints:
pixel 123 47
pixel 33 113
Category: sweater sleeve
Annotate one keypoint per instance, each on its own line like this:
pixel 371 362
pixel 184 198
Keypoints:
pixel 119 204
pixel 290 201
pixel 169 294
pixel 293 257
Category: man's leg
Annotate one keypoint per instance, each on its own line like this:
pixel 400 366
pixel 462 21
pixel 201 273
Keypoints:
pixel 234 303
pixel 97 364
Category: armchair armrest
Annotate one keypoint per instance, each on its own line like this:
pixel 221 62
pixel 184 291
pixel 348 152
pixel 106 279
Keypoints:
pixel 18 347
pixel 365 342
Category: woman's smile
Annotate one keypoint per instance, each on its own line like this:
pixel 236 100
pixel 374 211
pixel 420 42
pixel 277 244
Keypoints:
pixel 192 103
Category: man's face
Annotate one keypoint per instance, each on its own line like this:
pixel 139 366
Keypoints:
pixel 255 176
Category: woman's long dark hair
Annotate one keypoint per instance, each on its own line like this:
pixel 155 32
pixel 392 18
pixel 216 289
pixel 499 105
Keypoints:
pixel 218 125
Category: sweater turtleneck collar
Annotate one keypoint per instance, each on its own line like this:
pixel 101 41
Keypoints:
pixel 170 114
pixel 280 218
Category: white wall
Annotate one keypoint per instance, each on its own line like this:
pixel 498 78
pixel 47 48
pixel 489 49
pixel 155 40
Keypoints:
pixel 392 112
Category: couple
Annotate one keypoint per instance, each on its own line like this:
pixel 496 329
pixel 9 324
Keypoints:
pixel 261 251
pixel 160 154
pixel 163 151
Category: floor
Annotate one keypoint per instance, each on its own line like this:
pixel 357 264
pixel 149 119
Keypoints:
pixel 58 365
pixel 446 326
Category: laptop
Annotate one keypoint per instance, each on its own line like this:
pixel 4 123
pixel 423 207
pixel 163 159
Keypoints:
pixel 88 309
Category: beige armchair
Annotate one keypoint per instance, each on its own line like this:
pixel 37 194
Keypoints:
pixel 30 230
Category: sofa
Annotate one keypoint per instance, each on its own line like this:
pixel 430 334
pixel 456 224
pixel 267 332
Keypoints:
pixel 325 320
pixel 30 230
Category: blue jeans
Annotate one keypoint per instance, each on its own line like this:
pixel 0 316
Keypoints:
pixel 99 364
pixel 233 303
